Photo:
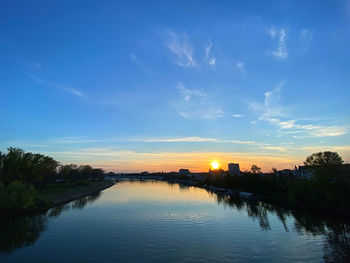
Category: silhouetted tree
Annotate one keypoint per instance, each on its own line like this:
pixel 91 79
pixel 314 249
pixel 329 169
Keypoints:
pixel 325 165
pixel 255 169
pixel 97 174
pixel 85 171
pixel 324 159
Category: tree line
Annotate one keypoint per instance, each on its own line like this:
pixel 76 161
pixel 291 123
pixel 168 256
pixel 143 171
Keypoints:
pixel 22 174
pixel 327 187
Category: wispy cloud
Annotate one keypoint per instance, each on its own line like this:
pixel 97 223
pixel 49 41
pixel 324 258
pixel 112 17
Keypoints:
pixel 281 51
pixel 183 50
pixel 208 56
pixel 240 66
pixel 187 93
pixel 278 148
pixel 74 140
pixel 271 112
pixel 273 33
pixel 62 87
pixel 237 115
pixel 197 139
pixel 195 104
pixel 270 108
pixel 184 139
pixel 306 36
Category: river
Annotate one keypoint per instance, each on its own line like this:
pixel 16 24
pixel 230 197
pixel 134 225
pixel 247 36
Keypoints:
pixel 155 221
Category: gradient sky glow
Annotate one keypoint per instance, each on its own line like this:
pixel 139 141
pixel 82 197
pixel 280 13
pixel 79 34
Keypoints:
pixel 160 85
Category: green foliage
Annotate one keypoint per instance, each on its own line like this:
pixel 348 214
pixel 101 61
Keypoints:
pixel 27 167
pixel 20 172
pixel 17 195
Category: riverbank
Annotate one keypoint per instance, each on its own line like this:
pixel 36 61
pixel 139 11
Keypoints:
pixel 60 196
pixel 76 192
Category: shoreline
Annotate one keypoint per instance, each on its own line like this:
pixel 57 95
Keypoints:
pixel 60 199
pixel 85 190
pixel 245 196
pixel 76 193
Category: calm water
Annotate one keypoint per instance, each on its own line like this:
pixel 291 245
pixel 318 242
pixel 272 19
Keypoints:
pixel 159 222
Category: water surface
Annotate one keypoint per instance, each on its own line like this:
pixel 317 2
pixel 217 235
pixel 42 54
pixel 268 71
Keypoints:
pixel 155 221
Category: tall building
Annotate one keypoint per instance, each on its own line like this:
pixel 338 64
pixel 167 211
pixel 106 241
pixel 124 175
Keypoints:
pixel 233 169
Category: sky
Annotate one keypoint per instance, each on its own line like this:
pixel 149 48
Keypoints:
pixel 162 85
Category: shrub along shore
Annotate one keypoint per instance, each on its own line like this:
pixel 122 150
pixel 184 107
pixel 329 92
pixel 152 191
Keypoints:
pixel 33 182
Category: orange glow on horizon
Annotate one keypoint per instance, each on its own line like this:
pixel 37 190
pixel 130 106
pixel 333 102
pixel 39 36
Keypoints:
pixel 215 165
pixel 128 161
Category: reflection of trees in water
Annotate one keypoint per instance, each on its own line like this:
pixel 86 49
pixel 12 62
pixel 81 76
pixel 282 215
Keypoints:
pixel 82 202
pixel 184 188
pixel 56 211
pixel 336 233
pixel 21 232
pixel 337 247
pixel 25 231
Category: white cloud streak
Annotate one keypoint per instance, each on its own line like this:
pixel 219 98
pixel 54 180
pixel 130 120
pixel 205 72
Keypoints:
pixel 208 56
pixel 62 87
pixel 198 139
pixel 281 52
pixel 183 50
pixel 195 104
pixel 272 113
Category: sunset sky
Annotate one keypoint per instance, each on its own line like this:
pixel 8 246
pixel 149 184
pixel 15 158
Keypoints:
pixel 159 85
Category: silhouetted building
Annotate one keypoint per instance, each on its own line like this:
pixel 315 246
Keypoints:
pixel 184 172
pixel 304 171
pixel 233 169
pixel 217 172
pixel 286 173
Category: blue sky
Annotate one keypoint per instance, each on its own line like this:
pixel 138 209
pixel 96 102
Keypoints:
pixel 160 85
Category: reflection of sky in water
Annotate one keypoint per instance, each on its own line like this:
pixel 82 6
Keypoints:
pixel 157 222
pixel 136 191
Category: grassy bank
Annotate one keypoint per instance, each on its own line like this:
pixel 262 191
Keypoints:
pixel 62 194
pixel 55 195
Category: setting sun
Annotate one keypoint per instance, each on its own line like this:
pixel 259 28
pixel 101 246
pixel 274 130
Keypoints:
pixel 215 165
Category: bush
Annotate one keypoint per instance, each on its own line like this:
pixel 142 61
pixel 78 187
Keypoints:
pixel 17 195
